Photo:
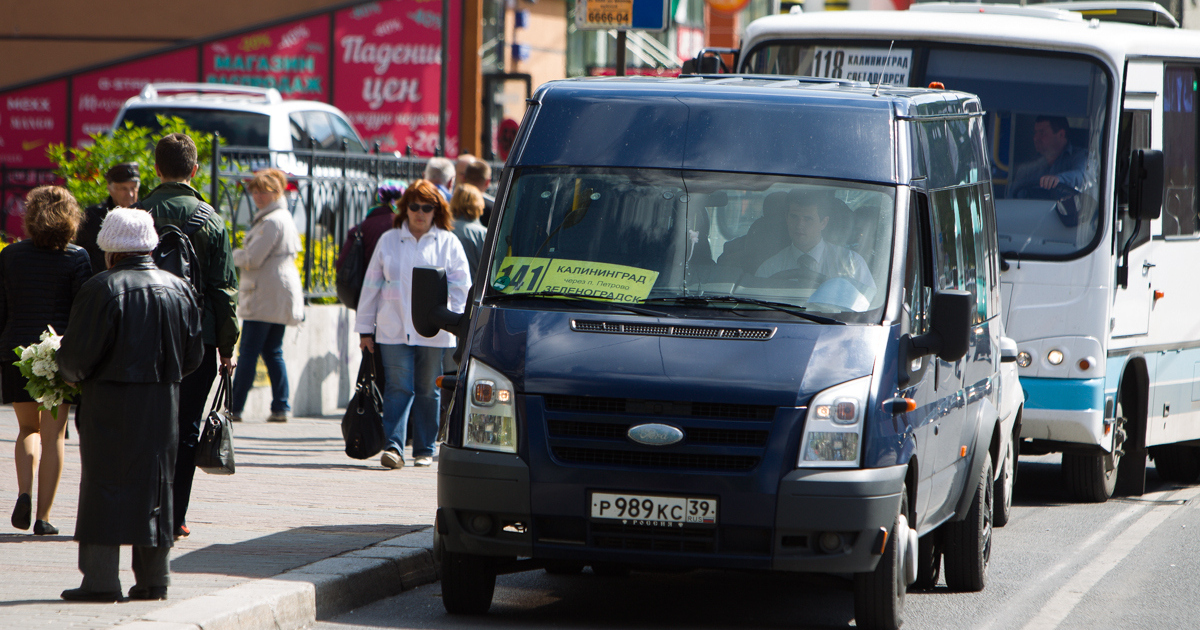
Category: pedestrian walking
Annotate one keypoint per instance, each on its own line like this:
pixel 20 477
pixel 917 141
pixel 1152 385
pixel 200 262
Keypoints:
pixel 124 182
pixel 439 171
pixel 41 276
pixel 378 221
pixel 129 370
pixel 175 202
pixel 467 207
pixel 411 362
pixel 271 296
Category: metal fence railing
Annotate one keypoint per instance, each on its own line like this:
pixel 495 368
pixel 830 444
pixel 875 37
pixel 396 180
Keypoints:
pixel 329 192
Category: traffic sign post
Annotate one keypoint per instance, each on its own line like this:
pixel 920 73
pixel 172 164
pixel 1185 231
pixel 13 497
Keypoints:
pixel 621 16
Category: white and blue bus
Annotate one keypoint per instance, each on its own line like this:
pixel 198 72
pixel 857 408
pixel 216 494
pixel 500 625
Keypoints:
pixel 1092 126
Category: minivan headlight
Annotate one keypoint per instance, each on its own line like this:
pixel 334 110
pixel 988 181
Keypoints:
pixel 833 427
pixel 490 421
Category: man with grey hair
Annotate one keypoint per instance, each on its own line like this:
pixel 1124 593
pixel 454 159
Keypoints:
pixel 440 171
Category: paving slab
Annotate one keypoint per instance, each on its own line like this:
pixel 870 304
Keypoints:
pixel 300 531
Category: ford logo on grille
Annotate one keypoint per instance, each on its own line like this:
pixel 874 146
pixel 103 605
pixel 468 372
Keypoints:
pixel 655 434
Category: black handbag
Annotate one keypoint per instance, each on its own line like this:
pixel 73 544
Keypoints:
pixel 350 275
pixel 362 426
pixel 214 454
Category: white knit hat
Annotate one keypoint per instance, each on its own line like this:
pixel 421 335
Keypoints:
pixel 127 230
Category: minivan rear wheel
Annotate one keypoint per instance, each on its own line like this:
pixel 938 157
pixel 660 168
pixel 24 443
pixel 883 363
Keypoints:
pixel 969 541
pixel 1005 482
pixel 879 594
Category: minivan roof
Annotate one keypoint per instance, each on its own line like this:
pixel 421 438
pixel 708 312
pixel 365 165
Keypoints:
pixel 731 123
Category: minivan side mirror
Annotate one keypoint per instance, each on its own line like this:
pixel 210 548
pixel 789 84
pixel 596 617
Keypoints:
pixel 429 312
pixel 1008 350
pixel 1145 184
pixel 949 333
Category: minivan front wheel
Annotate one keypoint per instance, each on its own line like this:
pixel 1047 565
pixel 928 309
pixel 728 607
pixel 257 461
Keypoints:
pixel 879 595
pixel 468 582
pixel 969 541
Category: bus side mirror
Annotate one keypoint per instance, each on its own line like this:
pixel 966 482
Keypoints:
pixel 949 333
pixel 1145 184
pixel 429 295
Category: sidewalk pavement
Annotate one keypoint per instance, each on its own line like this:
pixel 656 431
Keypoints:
pixel 300 531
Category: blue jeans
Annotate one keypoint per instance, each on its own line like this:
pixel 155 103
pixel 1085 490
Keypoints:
pixel 266 339
pixel 410 388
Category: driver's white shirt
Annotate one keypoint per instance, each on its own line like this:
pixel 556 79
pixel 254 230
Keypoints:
pixel 833 261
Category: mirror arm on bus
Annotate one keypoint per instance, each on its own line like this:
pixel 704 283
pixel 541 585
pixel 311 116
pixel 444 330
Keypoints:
pixel 1145 200
pixel 429 312
pixel 949 334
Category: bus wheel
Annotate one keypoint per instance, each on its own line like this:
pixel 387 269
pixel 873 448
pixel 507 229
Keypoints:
pixel 969 541
pixel 879 595
pixel 1176 462
pixel 468 582
pixel 1090 478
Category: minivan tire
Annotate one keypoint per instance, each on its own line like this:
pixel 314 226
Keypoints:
pixel 1005 485
pixel 879 595
pixel 968 543
pixel 468 583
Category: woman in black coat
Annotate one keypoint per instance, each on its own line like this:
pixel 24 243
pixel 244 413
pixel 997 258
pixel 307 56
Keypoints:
pixel 134 334
pixel 40 276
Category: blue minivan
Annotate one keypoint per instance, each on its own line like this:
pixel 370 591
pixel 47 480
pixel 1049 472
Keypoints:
pixel 735 322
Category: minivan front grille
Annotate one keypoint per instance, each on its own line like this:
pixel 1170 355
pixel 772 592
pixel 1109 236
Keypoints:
pixel 665 330
pixel 642 459
pixel 595 404
pixel 606 431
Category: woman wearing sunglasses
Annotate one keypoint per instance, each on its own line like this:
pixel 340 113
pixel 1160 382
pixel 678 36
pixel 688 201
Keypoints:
pixel 422 236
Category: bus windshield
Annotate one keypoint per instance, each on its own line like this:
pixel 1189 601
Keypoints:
pixel 760 245
pixel 1045 124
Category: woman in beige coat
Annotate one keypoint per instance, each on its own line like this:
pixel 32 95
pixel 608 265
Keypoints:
pixel 271 296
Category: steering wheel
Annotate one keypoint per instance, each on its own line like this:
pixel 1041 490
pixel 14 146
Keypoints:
pixel 1032 190
pixel 805 277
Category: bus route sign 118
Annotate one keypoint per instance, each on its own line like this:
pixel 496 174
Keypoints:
pixel 621 15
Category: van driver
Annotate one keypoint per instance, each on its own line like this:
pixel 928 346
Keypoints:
pixel 807 217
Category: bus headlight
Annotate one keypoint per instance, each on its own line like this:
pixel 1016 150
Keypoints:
pixel 490 421
pixel 833 427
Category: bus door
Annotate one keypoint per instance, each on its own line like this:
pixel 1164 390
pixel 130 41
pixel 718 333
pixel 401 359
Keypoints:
pixel 1132 303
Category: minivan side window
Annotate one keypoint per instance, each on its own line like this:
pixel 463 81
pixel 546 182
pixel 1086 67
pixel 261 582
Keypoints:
pixel 959 244
pixel 299 133
pixel 916 284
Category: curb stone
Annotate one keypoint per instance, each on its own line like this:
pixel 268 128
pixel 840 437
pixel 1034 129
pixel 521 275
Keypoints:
pixel 297 598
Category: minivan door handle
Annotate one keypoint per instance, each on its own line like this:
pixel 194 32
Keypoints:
pixel 1147 265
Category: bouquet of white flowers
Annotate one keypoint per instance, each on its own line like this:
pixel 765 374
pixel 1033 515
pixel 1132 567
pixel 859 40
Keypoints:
pixel 39 366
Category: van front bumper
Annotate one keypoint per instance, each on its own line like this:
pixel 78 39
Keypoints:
pixel 484 509
pixel 854 505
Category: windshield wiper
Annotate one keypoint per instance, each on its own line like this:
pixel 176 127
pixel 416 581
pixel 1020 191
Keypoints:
pixel 790 309
pixel 578 298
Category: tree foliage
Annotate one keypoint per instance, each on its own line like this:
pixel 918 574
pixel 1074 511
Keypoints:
pixel 83 168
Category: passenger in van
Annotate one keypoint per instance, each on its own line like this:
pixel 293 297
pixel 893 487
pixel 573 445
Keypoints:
pixel 1059 163
pixel 809 214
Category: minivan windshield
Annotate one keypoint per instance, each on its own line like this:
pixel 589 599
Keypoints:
pixel 733 243
pixel 1046 114
pixel 240 129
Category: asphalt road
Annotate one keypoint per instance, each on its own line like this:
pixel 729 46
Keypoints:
pixel 1124 564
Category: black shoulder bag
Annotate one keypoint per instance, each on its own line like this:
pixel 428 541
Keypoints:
pixel 214 455
pixel 362 426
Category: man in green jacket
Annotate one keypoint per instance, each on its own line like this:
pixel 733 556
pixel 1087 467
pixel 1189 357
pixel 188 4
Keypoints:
pixel 172 203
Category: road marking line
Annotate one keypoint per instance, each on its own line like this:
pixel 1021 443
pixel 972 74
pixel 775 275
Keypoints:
pixel 1060 605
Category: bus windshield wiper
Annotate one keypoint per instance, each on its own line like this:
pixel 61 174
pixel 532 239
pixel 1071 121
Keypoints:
pixel 790 309
pixel 577 298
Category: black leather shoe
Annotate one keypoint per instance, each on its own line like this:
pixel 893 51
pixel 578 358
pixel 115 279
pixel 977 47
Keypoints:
pixel 23 512
pixel 44 528
pixel 80 595
pixel 147 592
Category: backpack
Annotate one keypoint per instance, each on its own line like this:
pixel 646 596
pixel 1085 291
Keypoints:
pixel 175 252
pixel 353 271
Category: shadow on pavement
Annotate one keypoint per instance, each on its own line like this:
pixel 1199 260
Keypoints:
pixel 1039 483
pixel 273 554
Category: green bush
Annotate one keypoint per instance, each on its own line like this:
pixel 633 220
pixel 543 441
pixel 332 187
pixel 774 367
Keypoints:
pixel 83 168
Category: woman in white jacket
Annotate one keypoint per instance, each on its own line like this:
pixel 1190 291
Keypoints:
pixel 422 237
pixel 270 296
